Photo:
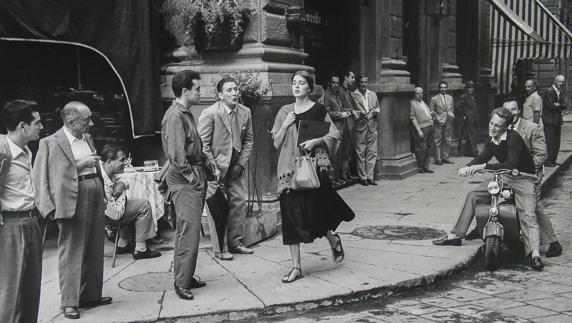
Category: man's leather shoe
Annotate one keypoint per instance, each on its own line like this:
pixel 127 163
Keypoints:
pixel 447 242
pixel 99 302
pixel 427 170
pixel 446 161
pixel 438 162
pixel 241 249
pixel 363 182
pixel 474 234
pixel 125 250
pixel 184 293
pixel 197 283
pixel 70 312
pixel 372 182
pixel 536 263
pixel 554 250
pixel 147 254
pixel 422 170
pixel 224 256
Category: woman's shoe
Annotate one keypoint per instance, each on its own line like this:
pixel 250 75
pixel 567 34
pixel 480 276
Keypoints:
pixel 338 254
pixel 294 274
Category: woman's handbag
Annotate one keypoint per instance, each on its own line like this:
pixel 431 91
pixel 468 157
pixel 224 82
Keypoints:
pixel 305 175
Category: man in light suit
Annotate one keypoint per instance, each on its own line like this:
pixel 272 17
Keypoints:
pixel 365 130
pixel 534 139
pixel 442 108
pixel 226 132
pixel 67 180
pixel 553 103
pixel 339 114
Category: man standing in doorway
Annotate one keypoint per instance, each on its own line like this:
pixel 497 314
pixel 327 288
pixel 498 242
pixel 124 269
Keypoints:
pixel 532 108
pixel 339 115
pixel 442 107
pixel 466 108
pixel 347 147
pixel 422 121
pixel 367 109
pixel 185 178
pixel 20 232
pixel 554 104
pixel 226 132
pixel 67 179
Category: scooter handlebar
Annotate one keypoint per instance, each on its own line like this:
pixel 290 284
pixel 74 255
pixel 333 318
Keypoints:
pixel 513 172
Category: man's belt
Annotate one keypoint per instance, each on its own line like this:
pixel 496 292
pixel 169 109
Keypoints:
pixel 88 176
pixel 15 215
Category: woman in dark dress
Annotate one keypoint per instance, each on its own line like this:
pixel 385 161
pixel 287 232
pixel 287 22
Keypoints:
pixel 307 214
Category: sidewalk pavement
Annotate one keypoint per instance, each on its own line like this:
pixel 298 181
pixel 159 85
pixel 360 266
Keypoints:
pixel 388 248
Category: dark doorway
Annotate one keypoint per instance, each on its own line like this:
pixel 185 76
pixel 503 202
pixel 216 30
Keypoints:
pixel 411 39
pixel 468 39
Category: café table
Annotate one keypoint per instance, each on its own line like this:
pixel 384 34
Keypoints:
pixel 143 186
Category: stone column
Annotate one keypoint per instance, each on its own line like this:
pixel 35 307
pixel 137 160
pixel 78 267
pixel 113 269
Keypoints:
pixel 380 54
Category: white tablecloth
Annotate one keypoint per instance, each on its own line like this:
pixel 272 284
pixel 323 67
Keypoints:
pixel 142 186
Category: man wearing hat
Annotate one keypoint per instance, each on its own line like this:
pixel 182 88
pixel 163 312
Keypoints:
pixel 466 109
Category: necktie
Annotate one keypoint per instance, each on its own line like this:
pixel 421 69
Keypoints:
pixel 235 130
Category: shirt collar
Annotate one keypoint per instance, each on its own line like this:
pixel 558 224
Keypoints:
pixel 107 181
pixel 556 89
pixel 228 110
pixel 516 124
pixel 71 138
pixel 15 150
pixel 364 95
pixel 503 137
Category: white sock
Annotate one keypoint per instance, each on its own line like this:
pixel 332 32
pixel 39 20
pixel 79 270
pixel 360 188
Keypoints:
pixel 140 246
pixel 535 253
pixel 452 236
pixel 122 243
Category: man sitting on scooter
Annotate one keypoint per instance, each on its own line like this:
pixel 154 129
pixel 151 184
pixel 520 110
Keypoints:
pixel 510 150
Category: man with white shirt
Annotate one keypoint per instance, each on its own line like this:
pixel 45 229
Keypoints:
pixel 67 180
pixel 128 210
pixel 226 132
pixel 367 110
pixel 532 108
pixel 422 121
pixel 20 231
pixel 443 114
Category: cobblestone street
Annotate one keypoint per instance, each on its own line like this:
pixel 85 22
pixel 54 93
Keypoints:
pixel 514 293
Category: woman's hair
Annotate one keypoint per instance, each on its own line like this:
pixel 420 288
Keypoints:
pixel 308 77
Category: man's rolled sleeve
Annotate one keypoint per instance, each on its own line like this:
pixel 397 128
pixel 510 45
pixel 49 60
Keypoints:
pixel 175 143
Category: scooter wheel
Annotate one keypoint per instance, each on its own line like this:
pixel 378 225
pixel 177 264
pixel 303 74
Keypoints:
pixel 492 248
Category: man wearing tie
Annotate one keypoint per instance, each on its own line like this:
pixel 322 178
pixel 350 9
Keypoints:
pixel 554 104
pixel 442 107
pixel 226 132
pixel 68 184
pixel 367 109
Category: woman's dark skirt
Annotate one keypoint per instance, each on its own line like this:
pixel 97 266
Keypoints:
pixel 309 214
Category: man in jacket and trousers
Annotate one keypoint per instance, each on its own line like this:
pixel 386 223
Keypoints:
pixel 442 107
pixel 553 103
pixel 365 130
pixel 20 231
pixel 466 108
pixel 226 132
pixel 68 183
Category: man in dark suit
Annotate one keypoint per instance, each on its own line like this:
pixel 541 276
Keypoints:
pixel 226 132
pixel 339 114
pixel 367 109
pixel 67 179
pixel 508 147
pixel 347 151
pixel 466 109
pixel 553 103
pixel 20 230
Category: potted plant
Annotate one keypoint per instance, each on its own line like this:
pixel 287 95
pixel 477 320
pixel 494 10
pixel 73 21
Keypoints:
pixel 250 86
pixel 207 24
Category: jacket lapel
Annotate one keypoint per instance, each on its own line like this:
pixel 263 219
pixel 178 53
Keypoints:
pixel 224 116
pixel 64 144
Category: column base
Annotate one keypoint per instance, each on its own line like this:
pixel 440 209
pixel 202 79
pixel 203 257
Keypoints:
pixel 397 168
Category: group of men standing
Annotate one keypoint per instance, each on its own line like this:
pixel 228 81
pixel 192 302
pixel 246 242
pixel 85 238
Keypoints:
pixel 355 112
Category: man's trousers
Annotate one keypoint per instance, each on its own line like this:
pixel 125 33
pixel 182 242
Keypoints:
pixel 235 194
pixel 552 134
pixel 188 199
pixel 366 152
pixel 424 146
pixel 547 234
pixel 20 269
pixel 80 246
pixel 525 201
pixel 469 132
pixel 443 133
pixel 138 211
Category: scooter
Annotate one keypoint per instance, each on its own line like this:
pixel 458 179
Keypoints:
pixel 498 223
